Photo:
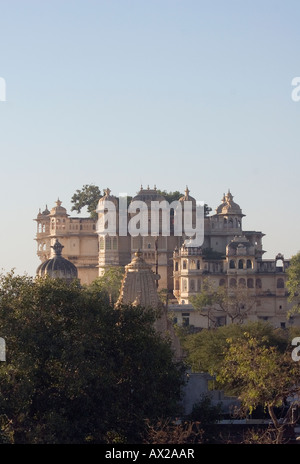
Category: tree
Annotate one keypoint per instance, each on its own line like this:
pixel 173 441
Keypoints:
pixel 88 196
pixel 206 349
pixel 78 370
pixel 293 283
pixel 262 376
pixel 232 303
pixel 109 284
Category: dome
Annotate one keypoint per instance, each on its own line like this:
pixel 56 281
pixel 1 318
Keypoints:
pixel 148 195
pixel 57 267
pixel 187 196
pixel 108 197
pixel 228 206
pixel 58 209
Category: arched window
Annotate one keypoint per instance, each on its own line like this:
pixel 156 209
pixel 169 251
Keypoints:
pixel 222 282
pixel 258 283
pixel 249 264
pixel 280 283
pixel 184 264
pixel 101 243
pixel 242 283
pixel 241 264
pixel 192 285
pixel 198 263
pixel 115 243
pixel 176 266
pixel 184 285
pixel 231 264
pixel 232 283
pixel 250 283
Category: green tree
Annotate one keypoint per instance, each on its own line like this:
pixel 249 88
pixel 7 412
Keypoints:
pixel 206 349
pixel 77 370
pixel 88 196
pixel 262 376
pixel 108 285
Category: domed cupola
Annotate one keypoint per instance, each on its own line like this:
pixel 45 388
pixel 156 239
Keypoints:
pixel 148 195
pixel 228 206
pixel 108 197
pixel 58 210
pixel 58 267
pixel 187 196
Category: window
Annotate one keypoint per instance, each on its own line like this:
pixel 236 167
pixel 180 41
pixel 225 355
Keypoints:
pixel 280 283
pixel 220 321
pixel 282 325
pixel 192 285
pixel 232 283
pixel 231 264
pixel 198 264
pixel 101 243
pixel 242 283
pixel 249 264
pixel 184 264
pixel 176 266
pixel 250 283
pixel 222 282
pixel 184 285
pixel 258 283
pixel 176 284
pixel 241 264
pixel 107 243
pixel 115 243
pixel 185 319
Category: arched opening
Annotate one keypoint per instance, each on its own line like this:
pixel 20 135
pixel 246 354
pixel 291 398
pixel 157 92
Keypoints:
pixel 184 264
pixel 231 264
pixel 242 283
pixel 232 283
pixel 250 283
pixel 249 264
pixel 241 264
pixel 222 282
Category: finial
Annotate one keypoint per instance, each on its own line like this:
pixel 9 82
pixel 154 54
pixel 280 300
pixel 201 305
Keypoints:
pixel 58 203
pixel 107 192
pixel 57 247
pixel 155 187
pixel 187 191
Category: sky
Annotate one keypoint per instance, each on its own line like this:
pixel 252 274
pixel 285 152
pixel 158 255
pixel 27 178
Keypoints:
pixel 119 93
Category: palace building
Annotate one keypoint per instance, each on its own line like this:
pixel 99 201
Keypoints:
pixel 229 257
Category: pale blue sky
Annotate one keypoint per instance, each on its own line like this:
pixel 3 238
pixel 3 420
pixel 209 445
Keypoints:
pixel 165 92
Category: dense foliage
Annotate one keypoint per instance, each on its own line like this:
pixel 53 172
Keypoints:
pixel 77 370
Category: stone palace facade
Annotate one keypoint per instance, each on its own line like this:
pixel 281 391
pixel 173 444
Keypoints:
pixel 229 256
